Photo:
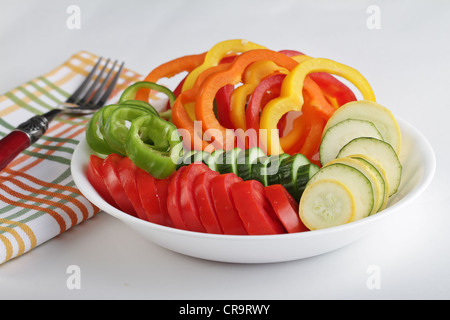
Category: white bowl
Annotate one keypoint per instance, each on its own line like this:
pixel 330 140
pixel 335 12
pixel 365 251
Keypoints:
pixel 419 165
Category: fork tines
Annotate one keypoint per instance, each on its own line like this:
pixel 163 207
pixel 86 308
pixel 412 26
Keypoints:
pixel 96 88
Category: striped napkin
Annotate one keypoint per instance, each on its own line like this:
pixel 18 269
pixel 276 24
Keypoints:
pixel 38 198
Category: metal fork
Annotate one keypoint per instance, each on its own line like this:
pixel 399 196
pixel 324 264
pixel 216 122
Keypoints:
pixel 91 95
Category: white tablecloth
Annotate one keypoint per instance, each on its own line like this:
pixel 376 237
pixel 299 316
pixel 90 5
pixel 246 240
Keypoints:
pixel 400 46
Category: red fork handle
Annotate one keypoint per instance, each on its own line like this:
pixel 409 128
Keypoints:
pixel 11 145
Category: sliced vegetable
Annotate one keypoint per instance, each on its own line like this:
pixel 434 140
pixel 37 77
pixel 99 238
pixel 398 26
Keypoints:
pixel 112 181
pixel 375 113
pixel 227 214
pixel 327 203
pixel 359 185
pixel 342 133
pixel 291 98
pixel 205 201
pixel 127 171
pixel 95 177
pixel 173 200
pixel 382 152
pixel 146 185
pixel 154 145
pixel 285 207
pixel 94 137
pixel 254 209
pixel 188 204
pixel 116 127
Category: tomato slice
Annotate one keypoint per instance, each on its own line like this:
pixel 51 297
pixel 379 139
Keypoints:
pixel 223 202
pixel 205 202
pixel 146 184
pixel 285 207
pixel 188 205
pixel 126 171
pixel 162 190
pixel 112 181
pixel 254 208
pixel 94 175
pixel 173 204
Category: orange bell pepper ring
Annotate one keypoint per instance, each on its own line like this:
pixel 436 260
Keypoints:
pixel 213 58
pixel 192 133
pixel 169 70
pixel 291 98
pixel 254 74
pixel 232 75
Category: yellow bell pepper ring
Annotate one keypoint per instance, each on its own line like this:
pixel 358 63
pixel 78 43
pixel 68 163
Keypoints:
pixel 254 74
pixel 213 58
pixel 291 98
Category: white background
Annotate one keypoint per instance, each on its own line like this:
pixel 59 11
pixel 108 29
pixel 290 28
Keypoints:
pixel 407 63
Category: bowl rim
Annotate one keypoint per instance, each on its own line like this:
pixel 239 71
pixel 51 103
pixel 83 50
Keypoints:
pixel 429 159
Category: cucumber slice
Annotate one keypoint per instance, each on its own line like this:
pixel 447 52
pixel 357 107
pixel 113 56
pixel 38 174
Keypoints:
pixel 213 158
pixel 378 188
pixel 304 174
pixel 358 184
pixel 229 161
pixel 186 158
pixel 371 111
pixel 326 203
pixel 381 152
pixel 342 133
pixel 245 161
pixel 288 173
pixel 259 169
pixel 272 171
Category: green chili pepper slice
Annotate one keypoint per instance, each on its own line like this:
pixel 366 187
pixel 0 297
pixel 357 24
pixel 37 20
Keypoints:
pixel 94 136
pixel 140 103
pixel 118 122
pixel 131 91
pixel 154 145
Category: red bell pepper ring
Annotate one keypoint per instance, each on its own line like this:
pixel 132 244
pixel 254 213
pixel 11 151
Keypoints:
pixel 126 171
pixel 205 202
pixel 173 204
pixel 267 90
pixel 223 101
pixel 254 209
pixel 188 204
pixel 227 214
pixel 94 175
pixel 112 181
pixel 285 207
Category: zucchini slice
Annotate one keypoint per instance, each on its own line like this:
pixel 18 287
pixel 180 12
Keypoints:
pixel 327 203
pixel 358 184
pixel 371 111
pixel 378 188
pixel 381 152
pixel 342 133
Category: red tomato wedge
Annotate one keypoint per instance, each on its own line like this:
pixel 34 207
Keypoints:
pixel 162 192
pixel 126 170
pixel 205 202
pixel 254 208
pixel 94 175
pixel 112 181
pixel 173 204
pixel 285 207
pixel 223 202
pixel 188 204
pixel 146 185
